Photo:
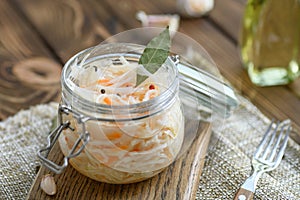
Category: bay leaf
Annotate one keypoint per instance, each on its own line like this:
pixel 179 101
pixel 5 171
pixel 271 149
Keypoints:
pixel 155 54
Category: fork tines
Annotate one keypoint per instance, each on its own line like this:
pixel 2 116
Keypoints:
pixel 274 142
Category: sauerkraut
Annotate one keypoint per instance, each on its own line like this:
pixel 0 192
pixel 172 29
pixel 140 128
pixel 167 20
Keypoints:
pixel 131 150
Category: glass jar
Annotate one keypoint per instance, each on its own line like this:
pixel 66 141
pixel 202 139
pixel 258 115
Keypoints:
pixel 117 142
pixel 270 41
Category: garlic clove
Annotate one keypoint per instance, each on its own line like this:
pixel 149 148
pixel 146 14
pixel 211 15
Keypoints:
pixel 194 8
pixel 48 185
pixel 162 20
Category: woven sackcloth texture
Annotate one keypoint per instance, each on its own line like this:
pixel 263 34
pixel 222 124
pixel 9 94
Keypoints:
pixel 20 138
pixel 227 162
pixel 228 159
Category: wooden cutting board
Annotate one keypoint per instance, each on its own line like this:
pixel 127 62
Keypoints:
pixel 178 181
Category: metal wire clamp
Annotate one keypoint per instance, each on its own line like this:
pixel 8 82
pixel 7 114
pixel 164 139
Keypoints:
pixel 83 139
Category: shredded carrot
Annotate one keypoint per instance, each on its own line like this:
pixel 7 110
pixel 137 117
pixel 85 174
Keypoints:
pixel 104 81
pixel 114 135
pixel 141 97
pixel 124 147
pixel 107 101
pixel 137 147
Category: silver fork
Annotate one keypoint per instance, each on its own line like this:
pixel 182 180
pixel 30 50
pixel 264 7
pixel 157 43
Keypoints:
pixel 267 157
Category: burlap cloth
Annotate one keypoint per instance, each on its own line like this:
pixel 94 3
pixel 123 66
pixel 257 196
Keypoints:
pixel 226 167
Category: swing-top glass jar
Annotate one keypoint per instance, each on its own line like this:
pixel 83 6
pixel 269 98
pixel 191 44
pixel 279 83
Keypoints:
pixel 113 131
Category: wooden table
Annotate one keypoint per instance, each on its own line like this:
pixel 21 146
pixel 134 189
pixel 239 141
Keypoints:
pixel 37 37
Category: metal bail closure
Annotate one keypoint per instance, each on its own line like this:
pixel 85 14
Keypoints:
pixel 83 138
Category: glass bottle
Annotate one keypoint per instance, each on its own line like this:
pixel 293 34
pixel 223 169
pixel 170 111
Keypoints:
pixel 270 41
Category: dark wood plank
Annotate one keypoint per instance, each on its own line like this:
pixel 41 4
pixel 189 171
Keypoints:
pixel 178 181
pixel 70 26
pixel 227 15
pixel 29 74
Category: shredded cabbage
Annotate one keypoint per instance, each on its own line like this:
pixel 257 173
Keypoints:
pixel 131 151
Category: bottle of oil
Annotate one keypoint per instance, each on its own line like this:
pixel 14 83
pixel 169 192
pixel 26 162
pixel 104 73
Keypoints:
pixel 270 41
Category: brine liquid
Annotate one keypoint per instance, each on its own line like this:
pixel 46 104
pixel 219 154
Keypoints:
pixel 270 41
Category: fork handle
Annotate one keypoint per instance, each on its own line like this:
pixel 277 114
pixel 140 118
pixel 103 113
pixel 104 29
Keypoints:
pixel 244 194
